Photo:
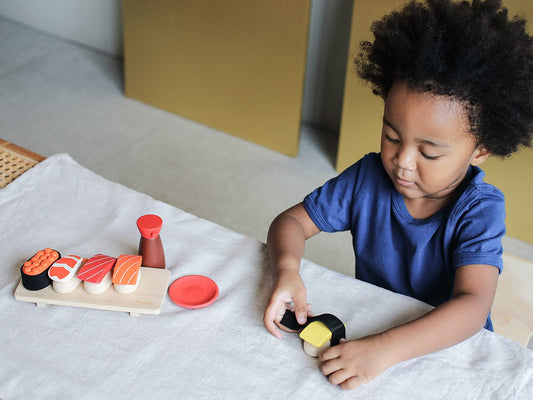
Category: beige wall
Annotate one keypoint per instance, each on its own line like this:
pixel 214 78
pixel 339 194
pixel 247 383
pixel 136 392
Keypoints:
pixel 362 113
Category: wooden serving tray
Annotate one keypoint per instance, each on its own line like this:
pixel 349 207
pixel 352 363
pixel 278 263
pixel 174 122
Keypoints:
pixel 147 299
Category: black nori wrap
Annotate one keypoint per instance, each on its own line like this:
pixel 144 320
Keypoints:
pixel 334 324
pixel 39 281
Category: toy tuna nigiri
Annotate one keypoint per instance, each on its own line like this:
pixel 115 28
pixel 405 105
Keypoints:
pixel 34 272
pixel 96 273
pixel 63 273
pixel 127 273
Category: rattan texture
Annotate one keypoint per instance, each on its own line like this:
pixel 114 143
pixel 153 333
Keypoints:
pixel 12 165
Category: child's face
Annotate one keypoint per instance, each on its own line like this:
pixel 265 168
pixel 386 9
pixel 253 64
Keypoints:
pixel 426 146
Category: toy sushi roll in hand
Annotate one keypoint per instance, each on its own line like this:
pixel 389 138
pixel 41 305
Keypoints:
pixel 318 333
pixel 64 273
pixel 127 273
pixel 96 273
pixel 34 272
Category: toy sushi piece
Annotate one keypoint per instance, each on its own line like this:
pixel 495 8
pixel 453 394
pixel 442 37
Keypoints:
pixel 64 273
pixel 316 338
pixel 318 333
pixel 34 272
pixel 96 273
pixel 127 273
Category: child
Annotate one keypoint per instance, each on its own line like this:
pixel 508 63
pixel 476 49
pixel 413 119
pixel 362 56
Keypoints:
pixel 457 81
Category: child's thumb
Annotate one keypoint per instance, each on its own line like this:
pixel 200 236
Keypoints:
pixel 300 310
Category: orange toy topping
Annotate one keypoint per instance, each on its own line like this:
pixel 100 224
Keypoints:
pixel 127 270
pixel 40 261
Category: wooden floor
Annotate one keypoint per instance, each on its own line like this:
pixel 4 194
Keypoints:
pixel 512 312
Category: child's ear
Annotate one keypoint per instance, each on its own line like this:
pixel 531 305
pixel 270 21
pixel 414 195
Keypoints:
pixel 479 156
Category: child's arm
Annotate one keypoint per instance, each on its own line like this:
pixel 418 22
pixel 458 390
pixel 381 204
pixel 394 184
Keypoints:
pixel 285 244
pixel 353 363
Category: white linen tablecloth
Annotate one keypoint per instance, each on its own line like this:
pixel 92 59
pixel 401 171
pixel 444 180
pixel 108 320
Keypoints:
pixel 219 352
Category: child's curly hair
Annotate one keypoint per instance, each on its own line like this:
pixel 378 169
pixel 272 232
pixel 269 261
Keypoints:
pixel 470 51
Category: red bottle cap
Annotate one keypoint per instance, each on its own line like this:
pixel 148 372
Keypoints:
pixel 149 225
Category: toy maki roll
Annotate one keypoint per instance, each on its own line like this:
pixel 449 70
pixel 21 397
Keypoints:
pixel 318 333
pixel 34 272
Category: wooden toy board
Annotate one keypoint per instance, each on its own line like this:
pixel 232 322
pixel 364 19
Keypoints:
pixel 147 299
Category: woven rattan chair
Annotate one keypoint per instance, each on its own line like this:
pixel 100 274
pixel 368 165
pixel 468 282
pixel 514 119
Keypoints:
pixel 14 161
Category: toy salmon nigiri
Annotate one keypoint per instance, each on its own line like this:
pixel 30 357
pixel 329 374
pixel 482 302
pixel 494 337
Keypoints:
pixel 127 273
pixel 96 273
pixel 63 273
pixel 34 272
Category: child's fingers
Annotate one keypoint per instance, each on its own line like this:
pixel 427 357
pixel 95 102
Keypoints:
pixel 332 366
pixel 290 306
pixel 270 318
pixel 353 382
pixel 338 375
pixel 301 314
pixel 300 306
pixel 331 353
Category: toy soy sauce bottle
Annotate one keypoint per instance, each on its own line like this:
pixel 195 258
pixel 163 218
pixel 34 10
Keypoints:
pixel 150 246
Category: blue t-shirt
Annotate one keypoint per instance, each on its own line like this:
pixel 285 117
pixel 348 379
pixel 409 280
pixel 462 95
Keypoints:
pixel 393 250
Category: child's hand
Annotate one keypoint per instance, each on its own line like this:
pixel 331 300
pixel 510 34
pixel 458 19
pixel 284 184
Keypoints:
pixel 289 289
pixel 351 364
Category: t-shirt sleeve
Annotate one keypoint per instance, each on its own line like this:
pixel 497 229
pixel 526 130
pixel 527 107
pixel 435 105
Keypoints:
pixel 330 206
pixel 480 230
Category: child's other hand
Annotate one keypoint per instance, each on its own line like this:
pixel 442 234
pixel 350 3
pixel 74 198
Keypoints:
pixel 354 363
pixel 289 289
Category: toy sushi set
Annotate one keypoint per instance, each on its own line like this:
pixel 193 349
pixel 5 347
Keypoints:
pixel 123 283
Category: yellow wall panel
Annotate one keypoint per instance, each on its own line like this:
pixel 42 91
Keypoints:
pixel 513 176
pixel 237 66
pixel 362 114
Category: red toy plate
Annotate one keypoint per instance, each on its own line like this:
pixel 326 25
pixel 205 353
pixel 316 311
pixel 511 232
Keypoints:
pixel 193 291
